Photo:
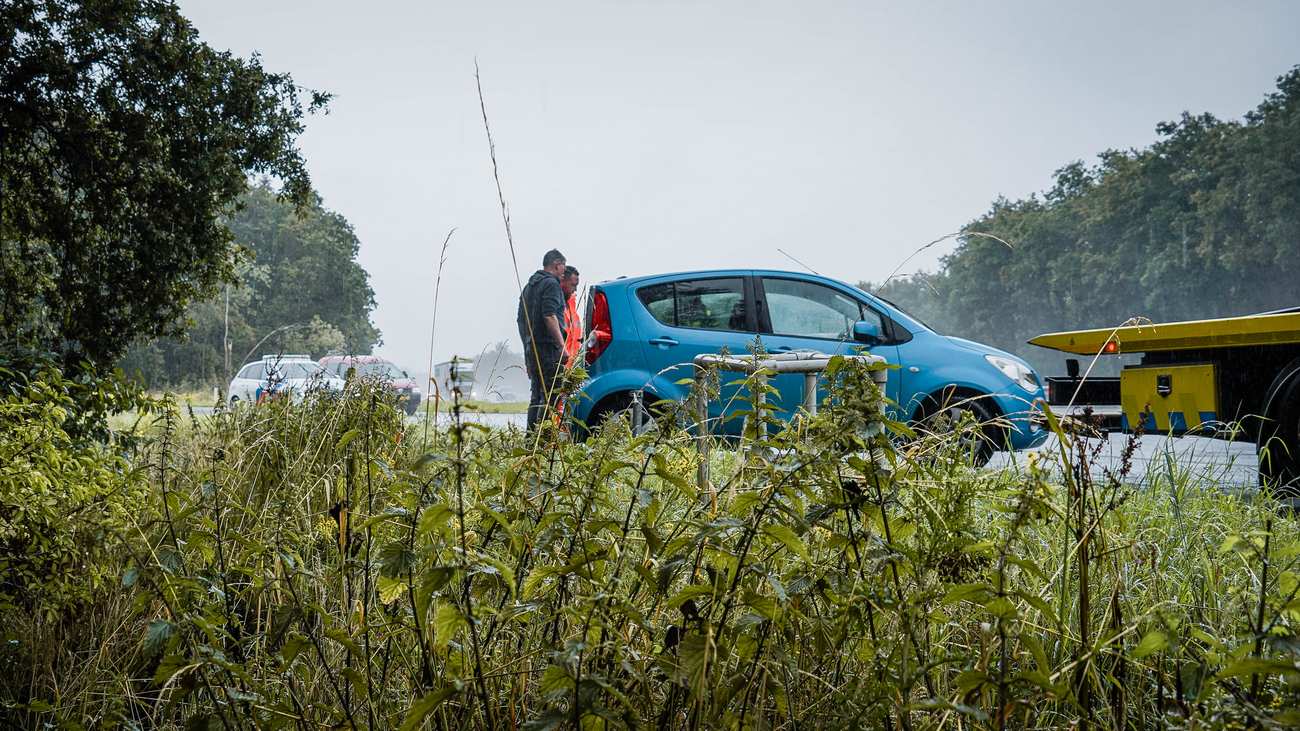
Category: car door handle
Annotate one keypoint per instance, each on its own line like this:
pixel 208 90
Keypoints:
pixel 663 342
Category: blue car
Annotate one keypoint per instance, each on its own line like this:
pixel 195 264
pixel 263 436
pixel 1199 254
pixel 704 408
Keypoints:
pixel 643 333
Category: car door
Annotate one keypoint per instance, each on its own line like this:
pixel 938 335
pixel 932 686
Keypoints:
pixel 697 315
pixel 244 385
pixel 800 314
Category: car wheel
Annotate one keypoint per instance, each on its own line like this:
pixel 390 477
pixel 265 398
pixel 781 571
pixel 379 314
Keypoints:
pixel 621 406
pixel 1279 438
pixel 945 413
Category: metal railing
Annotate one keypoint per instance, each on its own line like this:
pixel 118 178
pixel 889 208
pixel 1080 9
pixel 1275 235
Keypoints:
pixel 809 363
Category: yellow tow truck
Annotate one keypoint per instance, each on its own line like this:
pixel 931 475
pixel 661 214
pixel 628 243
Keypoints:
pixel 1230 378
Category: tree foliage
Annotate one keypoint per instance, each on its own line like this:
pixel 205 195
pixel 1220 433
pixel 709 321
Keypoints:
pixel 299 290
pixel 63 497
pixel 1203 223
pixel 125 139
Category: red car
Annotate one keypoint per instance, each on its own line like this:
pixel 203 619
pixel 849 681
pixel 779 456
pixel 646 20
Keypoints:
pixel 372 366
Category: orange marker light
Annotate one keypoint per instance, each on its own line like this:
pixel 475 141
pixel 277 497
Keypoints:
pixel 1111 347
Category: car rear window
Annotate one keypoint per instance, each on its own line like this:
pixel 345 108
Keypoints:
pixel 706 304
pixel 658 299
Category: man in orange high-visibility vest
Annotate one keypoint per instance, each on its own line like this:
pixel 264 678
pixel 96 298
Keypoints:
pixel 572 329
pixel 572 324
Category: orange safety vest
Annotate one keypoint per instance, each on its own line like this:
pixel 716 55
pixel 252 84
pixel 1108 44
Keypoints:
pixel 572 331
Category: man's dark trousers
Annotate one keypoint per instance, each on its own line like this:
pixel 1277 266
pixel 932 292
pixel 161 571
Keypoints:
pixel 543 374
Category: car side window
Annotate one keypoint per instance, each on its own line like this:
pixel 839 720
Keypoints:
pixel 658 299
pixel 712 304
pixel 704 304
pixel 804 309
pixel 252 370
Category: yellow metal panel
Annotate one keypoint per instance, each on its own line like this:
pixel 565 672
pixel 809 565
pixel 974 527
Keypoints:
pixel 1193 398
pixel 1223 332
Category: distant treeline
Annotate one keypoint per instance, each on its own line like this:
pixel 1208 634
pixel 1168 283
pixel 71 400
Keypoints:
pixel 1205 222
pixel 300 290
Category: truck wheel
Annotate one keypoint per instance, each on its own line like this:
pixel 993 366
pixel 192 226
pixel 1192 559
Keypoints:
pixel 945 410
pixel 1278 444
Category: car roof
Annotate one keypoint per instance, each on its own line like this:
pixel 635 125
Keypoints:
pixel 354 359
pixel 633 281
pixel 280 361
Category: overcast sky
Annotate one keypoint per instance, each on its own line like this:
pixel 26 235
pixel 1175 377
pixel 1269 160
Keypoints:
pixel 661 136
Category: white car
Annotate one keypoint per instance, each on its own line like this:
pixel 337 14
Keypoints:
pixel 275 374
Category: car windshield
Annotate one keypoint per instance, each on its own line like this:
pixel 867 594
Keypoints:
pixel 893 304
pixel 297 369
pixel 380 370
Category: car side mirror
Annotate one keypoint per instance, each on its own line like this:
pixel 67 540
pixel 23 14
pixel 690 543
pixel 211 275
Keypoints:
pixel 867 332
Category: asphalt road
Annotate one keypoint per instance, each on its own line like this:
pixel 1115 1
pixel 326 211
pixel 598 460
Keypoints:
pixel 1230 465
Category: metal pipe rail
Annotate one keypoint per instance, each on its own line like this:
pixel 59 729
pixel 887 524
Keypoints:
pixel 808 362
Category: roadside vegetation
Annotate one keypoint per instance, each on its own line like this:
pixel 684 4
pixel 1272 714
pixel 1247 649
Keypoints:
pixel 482 407
pixel 329 564
pixel 333 564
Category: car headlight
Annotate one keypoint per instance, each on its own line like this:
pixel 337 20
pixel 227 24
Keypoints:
pixel 1019 373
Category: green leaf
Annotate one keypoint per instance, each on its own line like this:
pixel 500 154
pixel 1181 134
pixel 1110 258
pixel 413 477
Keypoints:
pixel 1257 666
pixel 390 589
pixel 155 638
pixel 345 640
pixel 1001 607
pixel 967 592
pixel 347 439
pixel 556 681
pixel 690 592
pixel 744 503
pixel 787 537
pixel 396 559
pixel 695 653
pixel 1234 543
pixel 294 645
pixel 447 623
pixel 1152 642
pixel 427 704
pixel 433 518
pixel 507 574
pixel 764 605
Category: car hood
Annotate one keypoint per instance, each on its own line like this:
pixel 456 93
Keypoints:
pixel 983 349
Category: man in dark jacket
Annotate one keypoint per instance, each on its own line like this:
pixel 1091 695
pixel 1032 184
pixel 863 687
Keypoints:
pixel 541 329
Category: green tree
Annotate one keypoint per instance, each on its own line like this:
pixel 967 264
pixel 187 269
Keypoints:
pixel 1203 223
pixel 299 289
pixel 124 141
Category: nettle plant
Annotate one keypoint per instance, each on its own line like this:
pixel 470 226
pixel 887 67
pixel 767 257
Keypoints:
pixel 65 498
pixel 325 564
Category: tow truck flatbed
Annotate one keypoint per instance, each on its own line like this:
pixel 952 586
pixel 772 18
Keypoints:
pixel 1271 328
pixel 1228 377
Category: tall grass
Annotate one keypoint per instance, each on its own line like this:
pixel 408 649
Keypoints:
pixel 310 566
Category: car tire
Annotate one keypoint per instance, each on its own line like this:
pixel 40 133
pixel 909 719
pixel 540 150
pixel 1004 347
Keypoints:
pixel 621 406
pixel 1278 441
pixel 946 409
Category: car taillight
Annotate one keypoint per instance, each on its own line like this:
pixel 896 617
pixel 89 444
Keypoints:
pixel 601 330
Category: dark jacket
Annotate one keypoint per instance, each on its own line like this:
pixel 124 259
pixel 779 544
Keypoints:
pixel 542 296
